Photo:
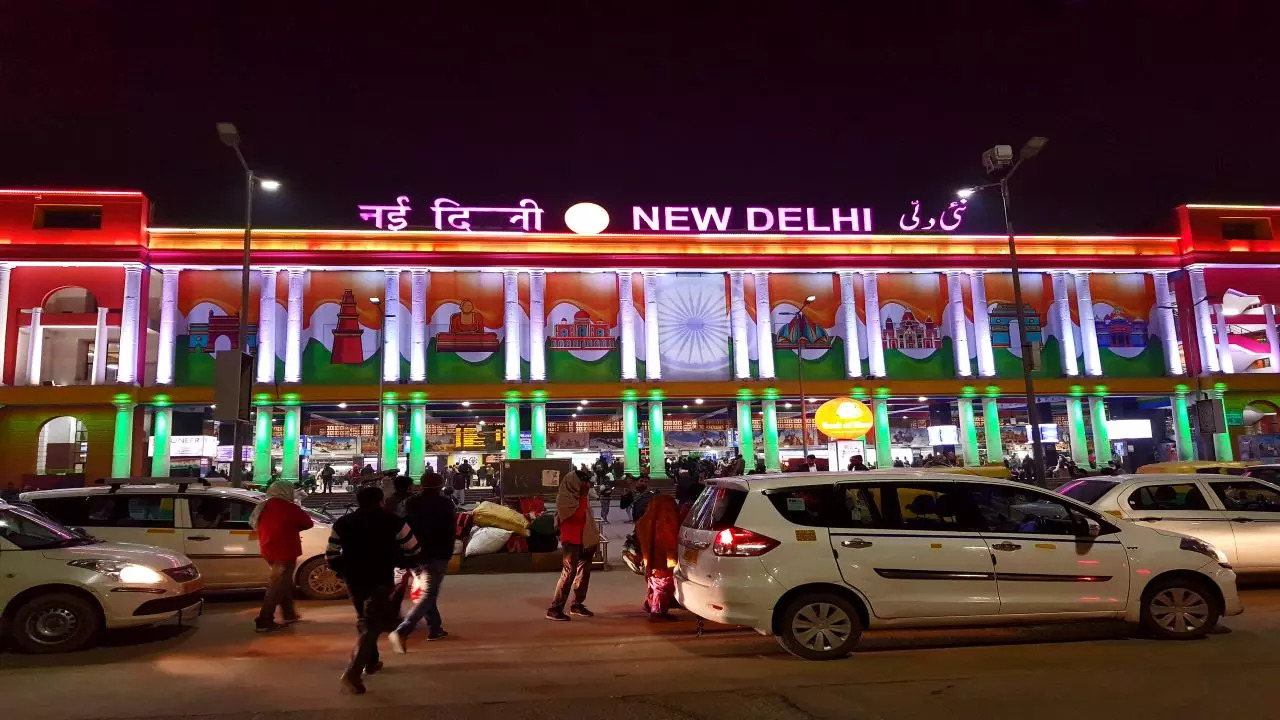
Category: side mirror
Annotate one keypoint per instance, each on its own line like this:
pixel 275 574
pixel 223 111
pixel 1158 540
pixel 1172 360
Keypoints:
pixel 1087 527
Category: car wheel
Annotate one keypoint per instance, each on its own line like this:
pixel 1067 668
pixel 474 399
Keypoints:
pixel 55 622
pixel 822 626
pixel 1179 609
pixel 319 582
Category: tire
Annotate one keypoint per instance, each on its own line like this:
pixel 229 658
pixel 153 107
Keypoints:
pixel 1179 608
pixel 819 626
pixel 318 582
pixel 56 622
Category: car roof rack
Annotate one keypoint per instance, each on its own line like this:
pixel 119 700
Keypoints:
pixel 183 483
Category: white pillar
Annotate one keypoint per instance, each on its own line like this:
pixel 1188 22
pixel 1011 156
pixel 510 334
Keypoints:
pixel 168 309
pixel 764 325
pixel 100 342
pixel 982 324
pixel 627 323
pixel 959 324
pixel 35 348
pixel 418 326
pixel 293 327
pixel 875 349
pixel 738 319
pixel 538 328
pixel 391 326
pixel 130 318
pixel 1224 339
pixel 852 348
pixel 1204 323
pixel 652 360
pixel 1067 337
pixel 511 324
pixel 267 325
pixel 4 316
pixel 1273 340
pixel 1168 327
pixel 1088 331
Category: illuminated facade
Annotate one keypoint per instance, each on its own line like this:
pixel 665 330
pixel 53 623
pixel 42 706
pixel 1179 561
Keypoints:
pixel 640 323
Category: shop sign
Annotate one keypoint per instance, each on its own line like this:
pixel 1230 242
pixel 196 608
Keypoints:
pixel 843 419
pixel 1235 417
pixel 188 446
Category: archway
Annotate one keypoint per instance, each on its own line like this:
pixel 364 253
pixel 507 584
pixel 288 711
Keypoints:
pixel 63 447
pixel 1262 417
pixel 70 300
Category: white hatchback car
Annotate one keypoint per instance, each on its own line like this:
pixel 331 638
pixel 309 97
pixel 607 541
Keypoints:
pixel 1238 515
pixel 208 524
pixel 816 559
pixel 58 587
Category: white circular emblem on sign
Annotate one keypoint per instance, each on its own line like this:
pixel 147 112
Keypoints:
pixel 586 218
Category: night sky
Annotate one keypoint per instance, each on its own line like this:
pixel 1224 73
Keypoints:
pixel 1146 104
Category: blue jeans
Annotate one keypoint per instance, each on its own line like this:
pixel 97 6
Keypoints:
pixel 426 607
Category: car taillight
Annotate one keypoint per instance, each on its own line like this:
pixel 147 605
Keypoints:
pixel 736 542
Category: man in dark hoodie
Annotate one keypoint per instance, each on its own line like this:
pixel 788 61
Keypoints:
pixel 431 518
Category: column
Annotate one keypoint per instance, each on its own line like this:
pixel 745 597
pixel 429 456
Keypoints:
pixel 1168 327
pixel 769 428
pixel 293 330
pixel 652 360
pixel 1222 450
pixel 538 332
pixel 511 330
pixel 417 440
pixel 968 434
pixel 418 326
pixel 1101 439
pixel 1225 364
pixel 262 445
pixel 122 442
pixel 390 441
pixel 746 435
pixel 627 324
pixel 852 348
pixel 657 440
pixel 538 429
pixel 168 310
pixel 161 434
pixel 391 326
pixel 267 326
pixel 35 347
pixel 871 298
pixel 1204 323
pixel 1088 331
pixel 982 326
pixel 127 372
pixel 1182 425
pixel 959 327
pixel 1273 340
pixel 884 442
pixel 512 430
pixel 1067 337
pixel 5 268
pixel 1079 442
pixel 738 321
pixel 991 429
pixel 630 437
pixel 100 343
pixel 291 450
pixel 764 325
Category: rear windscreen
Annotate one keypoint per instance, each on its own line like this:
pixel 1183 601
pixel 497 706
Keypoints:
pixel 715 509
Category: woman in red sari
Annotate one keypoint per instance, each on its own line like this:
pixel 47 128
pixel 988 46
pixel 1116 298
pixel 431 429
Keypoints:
pixel 657 534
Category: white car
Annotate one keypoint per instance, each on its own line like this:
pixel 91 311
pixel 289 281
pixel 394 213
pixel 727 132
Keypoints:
pixel 58 588
pixel 816 559
pixel 208 524
pixel 1238 515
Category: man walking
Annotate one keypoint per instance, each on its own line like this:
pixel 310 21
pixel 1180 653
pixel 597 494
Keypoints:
pixel 326 476
pixel 364 549
pixel 431 517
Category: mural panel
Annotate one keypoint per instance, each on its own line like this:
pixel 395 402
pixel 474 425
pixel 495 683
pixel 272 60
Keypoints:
pixel 1124 317
pixel 207 321
pixel 340 332
pixel 818 333
pixel 465 327
pixel 693 326
pixel 911 306
pixel 582 327
pixel 1006 343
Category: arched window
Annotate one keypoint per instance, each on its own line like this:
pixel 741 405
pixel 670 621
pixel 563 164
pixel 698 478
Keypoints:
pixel 63 447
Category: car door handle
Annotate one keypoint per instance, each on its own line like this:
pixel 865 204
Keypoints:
pixel 199 537
pixel 1149 519
pixel 856 543
pixel 1006 546
pixel 1241 520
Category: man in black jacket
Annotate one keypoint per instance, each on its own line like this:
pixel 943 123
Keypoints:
pixel 431 517
pixel 364 549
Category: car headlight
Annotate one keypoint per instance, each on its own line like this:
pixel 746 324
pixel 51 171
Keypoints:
pixel 122 571
pixel 1199 546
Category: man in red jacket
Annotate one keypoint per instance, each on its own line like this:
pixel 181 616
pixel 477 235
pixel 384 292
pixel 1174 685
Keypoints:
pixel 279 520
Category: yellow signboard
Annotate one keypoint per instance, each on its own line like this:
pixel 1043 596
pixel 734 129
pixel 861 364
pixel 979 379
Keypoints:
pixel 843 419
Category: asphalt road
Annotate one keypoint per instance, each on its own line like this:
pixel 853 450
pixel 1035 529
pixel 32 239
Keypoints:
pixel 504 661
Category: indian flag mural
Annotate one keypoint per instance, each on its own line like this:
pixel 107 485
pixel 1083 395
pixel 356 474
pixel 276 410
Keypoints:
pixel 465 327
pixel 1124 319
pixel 693 326
pixel 207 321
pixel 911 308
pixel 582 326
pixel 817 334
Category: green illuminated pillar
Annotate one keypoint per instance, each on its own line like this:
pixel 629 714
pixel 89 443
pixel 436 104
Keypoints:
pixel 746 435
pixel 1182 425
pixel 769 428
pixel 122 443
pixel 161 434
pixel 991 428
pixel 262 445
pixel 1079 441
pixel 631 435
pixel 1101 439
pixel 884 442
pixel 968 434
pixel 513 430
pixel 389 460
pixel 657 439
pixel 1222 449
pixel 417 437
pixel 291 450
pixel 538 433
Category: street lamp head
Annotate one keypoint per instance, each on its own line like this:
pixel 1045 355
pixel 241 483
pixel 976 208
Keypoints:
pixel 998 159
pixel 269 185
pixel 375 300
pixel 965 193
pixel 228 134
pixel 810 299
pixel 1033 147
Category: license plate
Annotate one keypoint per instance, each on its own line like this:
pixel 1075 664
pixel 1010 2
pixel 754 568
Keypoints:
pixel 690 557
pixel 190 587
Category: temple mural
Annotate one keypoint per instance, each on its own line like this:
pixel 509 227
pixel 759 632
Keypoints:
pixel 581 332
pixel 815 335
pixel 207 321
pixel 341 326
pixel 1129 342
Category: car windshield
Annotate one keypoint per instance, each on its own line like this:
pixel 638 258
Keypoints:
pixel 1086 491
pixel 31 531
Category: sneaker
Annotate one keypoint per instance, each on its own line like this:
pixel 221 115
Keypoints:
pixel 268 626
pixel 557 615
pixel 438 635
pixel 581 611
pixel 397 642
pixel 351 684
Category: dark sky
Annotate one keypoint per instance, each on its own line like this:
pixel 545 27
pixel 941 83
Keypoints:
pixel 1146 104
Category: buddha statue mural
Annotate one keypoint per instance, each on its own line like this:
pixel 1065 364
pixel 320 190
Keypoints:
pixel 466 332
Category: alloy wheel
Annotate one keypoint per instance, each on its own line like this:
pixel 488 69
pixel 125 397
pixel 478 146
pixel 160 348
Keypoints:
pixel 1179 610
pixel 324 581
pixel 822 626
